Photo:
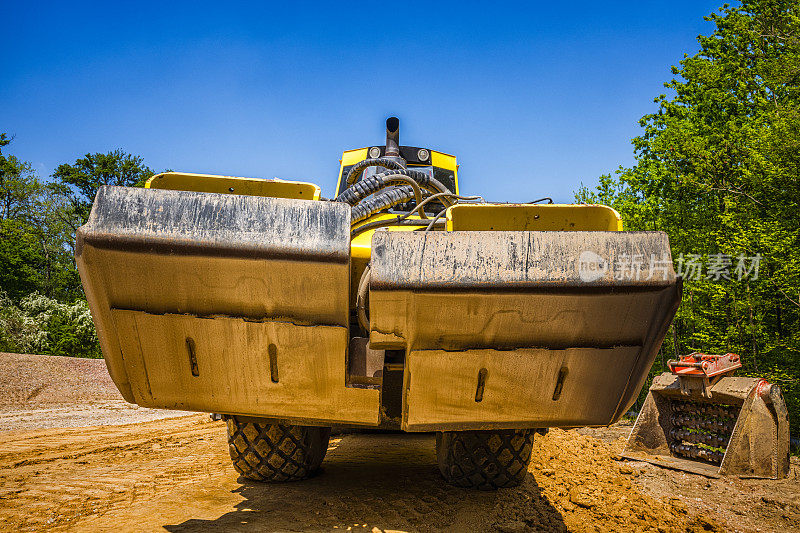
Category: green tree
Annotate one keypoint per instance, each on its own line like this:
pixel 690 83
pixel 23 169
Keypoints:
pixel 35 240
pixel 45 326
pixel 18 184
pixel 718 168
pixel 87 174
pixel 42 305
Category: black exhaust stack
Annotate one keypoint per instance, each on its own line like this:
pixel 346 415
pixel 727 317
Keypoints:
pixel 392 137
pixel 393 140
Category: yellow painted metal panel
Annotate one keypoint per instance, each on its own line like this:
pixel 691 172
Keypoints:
pixel 414 319
pixel 227 370
pixel 519 387
pixel 446 161
pixel 248 260
pixel 275 188
pixel 361 248
pixel 442 160
pixel 527 217
pixel 361 245
pixel 349 157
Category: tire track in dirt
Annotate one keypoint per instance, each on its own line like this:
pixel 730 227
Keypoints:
pixel 175 475
pixel 52 478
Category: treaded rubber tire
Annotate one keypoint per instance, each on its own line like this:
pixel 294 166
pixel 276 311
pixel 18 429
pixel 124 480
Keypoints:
pixel 484 460
pixel 276 452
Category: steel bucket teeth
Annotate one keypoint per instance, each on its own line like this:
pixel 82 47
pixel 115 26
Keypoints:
pixel 735 426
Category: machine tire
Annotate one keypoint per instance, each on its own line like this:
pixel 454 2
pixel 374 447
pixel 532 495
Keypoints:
pixel 276 452
pixel 484 460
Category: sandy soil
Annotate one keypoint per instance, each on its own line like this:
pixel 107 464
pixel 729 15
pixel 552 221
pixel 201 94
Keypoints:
pixel 39 391
pixel 175 475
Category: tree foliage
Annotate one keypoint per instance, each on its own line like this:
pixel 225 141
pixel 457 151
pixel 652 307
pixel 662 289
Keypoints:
pixel 41 325
pixel 718 168
pixel 36 234
pixel 88 173
pixel 42 305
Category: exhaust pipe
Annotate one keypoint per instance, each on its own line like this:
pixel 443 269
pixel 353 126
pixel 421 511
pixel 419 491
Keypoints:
pixel 393 141
pixel 392 137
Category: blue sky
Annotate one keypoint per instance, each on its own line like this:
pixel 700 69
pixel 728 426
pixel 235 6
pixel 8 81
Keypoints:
pixel 533 98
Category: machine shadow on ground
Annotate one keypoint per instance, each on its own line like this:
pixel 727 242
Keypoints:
pixel 372 480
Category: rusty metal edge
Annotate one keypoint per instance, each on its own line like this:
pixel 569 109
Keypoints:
pixel 681 465
pixel 156 246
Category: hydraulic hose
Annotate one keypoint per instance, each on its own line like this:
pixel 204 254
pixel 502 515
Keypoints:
pixel 361 166
pixel 373 184
pixel 435 219
pixel 403 220
pixel 362 300
pixel 375 224
pixel 377 203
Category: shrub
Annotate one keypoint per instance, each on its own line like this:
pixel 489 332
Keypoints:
pixel 45 326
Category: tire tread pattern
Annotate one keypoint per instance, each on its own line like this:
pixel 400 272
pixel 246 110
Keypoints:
pixel 276 452
pixel 484 459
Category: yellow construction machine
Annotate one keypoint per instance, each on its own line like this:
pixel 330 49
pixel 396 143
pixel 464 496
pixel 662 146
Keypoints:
pixel 398 304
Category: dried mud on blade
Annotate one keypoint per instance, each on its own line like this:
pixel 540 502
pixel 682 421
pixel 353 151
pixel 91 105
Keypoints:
pixel 215 302
pixel 512 329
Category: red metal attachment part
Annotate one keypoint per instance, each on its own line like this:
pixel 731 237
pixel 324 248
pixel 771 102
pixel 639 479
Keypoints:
pixel 705 365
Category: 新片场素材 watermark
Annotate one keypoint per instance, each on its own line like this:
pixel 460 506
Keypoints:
pixel 640 267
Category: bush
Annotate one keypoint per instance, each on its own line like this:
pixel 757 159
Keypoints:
pixel 45 326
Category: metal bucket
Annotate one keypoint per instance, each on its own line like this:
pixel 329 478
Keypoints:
pixel 734 426
pixel 513 329
pixel 226 303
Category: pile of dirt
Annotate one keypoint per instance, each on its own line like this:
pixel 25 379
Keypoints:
pixel 741 504
pixel 36 380
pixel 43 391
pixel 578 486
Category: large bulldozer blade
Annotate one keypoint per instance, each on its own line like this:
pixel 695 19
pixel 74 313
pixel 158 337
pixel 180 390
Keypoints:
pixel 736 426
pixel 511 329
pixel 223 303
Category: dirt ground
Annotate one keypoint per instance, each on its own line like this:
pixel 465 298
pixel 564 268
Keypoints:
pixel 39 391
pixel 175 475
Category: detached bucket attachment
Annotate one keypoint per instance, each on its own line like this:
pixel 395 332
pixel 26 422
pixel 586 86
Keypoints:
pixel 697 419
